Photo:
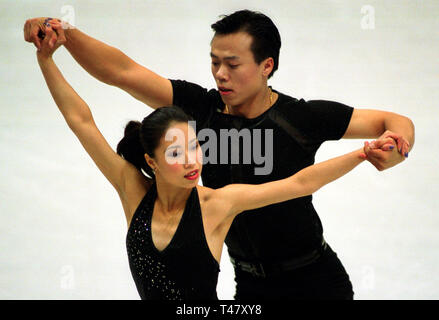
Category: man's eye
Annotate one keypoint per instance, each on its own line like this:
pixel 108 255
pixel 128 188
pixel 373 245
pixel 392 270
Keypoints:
pixel 215 63
pixel 234 66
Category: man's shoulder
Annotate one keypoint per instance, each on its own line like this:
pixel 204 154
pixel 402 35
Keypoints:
pixel 195 99
pixel 188 87
pixel 289 104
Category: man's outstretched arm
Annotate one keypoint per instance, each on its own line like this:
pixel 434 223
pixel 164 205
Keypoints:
pixel 366 124
pixel 106 63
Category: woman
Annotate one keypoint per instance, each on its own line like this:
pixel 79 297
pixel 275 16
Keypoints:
pixel 176 228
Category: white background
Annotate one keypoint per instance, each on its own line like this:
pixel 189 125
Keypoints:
pixel 62 228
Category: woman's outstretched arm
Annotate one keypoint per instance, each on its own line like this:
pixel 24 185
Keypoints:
pixel 80 120
pixel 242 197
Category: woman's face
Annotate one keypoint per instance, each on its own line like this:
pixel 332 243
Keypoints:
pixel 178 158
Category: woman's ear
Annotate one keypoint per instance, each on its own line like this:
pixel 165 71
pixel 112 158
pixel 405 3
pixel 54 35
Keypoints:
pixel 150 161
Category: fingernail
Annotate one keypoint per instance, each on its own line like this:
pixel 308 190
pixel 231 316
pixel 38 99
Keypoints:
pixel 391 147
pixel 406 154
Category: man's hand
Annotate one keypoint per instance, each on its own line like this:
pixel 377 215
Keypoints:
pixel 386 152
pixel 36 29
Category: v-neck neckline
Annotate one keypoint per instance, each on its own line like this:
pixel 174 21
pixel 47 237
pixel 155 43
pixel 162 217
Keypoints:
pixel 177 230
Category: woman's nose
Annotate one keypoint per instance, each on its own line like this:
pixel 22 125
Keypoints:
pixel 190 159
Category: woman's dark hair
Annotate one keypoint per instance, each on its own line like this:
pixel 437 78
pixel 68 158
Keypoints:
pixel 266 38
pixel 144 137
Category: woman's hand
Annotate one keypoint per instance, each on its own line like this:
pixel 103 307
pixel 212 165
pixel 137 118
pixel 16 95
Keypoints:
pixel 35 31
pixel 53 38
pixel 387 151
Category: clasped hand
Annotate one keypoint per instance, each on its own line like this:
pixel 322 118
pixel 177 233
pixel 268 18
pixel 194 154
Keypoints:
pixel 387 151
pixel 47 34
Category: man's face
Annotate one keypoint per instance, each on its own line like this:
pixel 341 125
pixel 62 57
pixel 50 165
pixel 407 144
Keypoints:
pixel 237 75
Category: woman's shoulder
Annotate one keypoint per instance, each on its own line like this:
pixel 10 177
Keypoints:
pixel 212 201
pixel 134 193
pixel 204 193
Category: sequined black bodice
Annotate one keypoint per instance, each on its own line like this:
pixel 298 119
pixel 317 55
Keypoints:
pixel 185 269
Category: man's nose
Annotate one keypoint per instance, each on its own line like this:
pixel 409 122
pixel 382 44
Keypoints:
pixel 221 74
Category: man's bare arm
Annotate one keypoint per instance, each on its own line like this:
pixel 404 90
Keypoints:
pixel 107 64
pixel 366 124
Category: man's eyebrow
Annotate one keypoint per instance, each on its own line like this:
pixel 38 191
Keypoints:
pixel 225 58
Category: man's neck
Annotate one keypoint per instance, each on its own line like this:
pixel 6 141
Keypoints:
pixel 256 105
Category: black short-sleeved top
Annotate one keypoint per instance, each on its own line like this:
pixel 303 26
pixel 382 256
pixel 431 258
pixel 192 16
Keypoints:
pixel 185 269
pixel 299 127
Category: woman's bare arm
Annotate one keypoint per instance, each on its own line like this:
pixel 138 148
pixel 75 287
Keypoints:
pixel 80 120
pixel 242 197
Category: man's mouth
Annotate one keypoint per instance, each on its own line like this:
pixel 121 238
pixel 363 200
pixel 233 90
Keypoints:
pixel 224 90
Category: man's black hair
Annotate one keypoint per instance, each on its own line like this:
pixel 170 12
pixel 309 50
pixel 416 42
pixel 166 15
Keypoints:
pixel 266 38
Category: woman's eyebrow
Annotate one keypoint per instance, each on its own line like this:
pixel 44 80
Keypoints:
pixel 179 146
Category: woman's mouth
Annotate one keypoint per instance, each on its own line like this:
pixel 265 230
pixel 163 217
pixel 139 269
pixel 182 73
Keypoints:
pixel 192 175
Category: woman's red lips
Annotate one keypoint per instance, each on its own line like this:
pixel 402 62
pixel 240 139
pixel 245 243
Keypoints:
pixel 192 175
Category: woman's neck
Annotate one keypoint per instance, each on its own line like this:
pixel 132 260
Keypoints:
pixel 171 199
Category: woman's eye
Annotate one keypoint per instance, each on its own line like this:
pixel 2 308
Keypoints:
pixel 234 66
pixel 215 63
pixel 194 147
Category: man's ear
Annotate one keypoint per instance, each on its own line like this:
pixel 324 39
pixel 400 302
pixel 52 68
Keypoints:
pixel 268 65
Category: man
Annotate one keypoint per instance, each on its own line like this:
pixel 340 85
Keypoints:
pixel 278 251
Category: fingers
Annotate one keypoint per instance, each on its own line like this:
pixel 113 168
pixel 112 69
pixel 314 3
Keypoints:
pixel 402 144
pixel 33 31
pixel 396 137
pixel 52 41
pixel 377 149
pixel 363 154
pixel 57 26
pixel 26 31
pixel 53 37
pixel 371 150
pixel 45 48
pixel 379 144
pixel 387 147
pixel 377 154
pixel 405 148
pixel 45 42
pixel 49 32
